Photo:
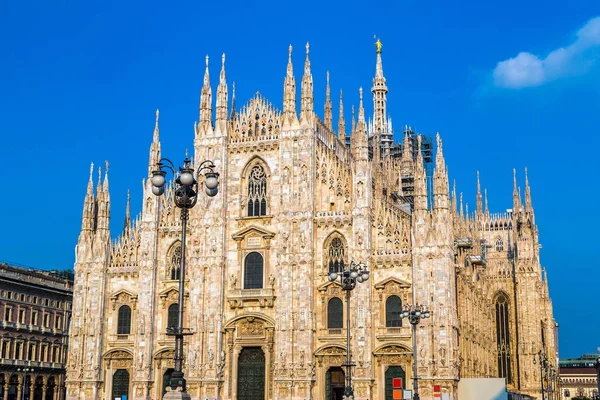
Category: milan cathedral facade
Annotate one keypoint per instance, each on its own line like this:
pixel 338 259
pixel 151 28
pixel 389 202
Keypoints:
pixel 296 198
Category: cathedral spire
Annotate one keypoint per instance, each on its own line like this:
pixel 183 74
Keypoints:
pixel 206 103
pixel 353 126
pixel 379 91
pixel 103 204
pixel 328 116
pixel 221 106
pixel 454 196
pixel 479 203
pixel 461 213
pixel 516 196
pixel 307 109
pixel 127 212
pixel 528 206
pixel 440 177
pixel 289 93
pixel 361 109
pixel 360 145
pixel 154 147
pixel 233 112
pixel 88 220
pixel 420 188
pixel 341 121
pixel 406 161
pixel 486 210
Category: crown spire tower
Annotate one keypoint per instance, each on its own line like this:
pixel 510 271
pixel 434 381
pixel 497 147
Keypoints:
pixel 379 91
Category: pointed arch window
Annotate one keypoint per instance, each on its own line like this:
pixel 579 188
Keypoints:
pixel 393 307
pixel 172 315
pixel 503 337
pixel 257 192
pixel 335 313
pixel 253 271
pixel 174 263
pixel 499 244
pixel 336 254
pixel 124 320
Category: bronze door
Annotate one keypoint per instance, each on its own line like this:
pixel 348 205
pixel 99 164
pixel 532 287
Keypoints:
pixel 251 374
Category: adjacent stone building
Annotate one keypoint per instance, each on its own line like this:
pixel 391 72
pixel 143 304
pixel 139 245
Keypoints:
pixel 35 311
pixel 579 377
pixel 296 200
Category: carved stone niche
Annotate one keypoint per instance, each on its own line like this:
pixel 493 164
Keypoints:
pixel 124 297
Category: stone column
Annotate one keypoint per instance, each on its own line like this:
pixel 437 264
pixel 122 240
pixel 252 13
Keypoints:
pixel 6 386
pixel 44 388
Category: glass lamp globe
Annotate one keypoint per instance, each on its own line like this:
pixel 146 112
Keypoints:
pixel 212 180
pixel 354 274
pixel 211 192
pixel 158 178
pixel 186 178
pixel 332 276
pixel 365 275
pixel 158 190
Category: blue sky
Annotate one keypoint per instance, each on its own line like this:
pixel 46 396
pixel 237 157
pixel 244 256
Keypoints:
pixel 508 85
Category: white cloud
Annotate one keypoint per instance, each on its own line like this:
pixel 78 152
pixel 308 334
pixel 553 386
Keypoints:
pixel 527 70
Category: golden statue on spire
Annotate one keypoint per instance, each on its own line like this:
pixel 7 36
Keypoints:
pixel 378 44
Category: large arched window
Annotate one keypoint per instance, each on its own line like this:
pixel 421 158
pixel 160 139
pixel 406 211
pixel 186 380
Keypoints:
pixel 335 313
pixel 257 192
pixel 503 337
pixel 124 320
pixel 253 271
pixel 120 384
pixel 393 308
pixel 172 315
pixel 336 255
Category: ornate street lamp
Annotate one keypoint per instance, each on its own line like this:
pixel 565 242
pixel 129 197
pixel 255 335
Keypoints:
pixel 544 364
pixel 186 196
pixel 414 314
pixel 349 277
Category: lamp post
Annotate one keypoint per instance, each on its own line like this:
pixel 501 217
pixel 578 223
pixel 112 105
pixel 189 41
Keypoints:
pixel 543 361
pixel 349 276
pixel 185 197
pixel 24 370
pixel 414 315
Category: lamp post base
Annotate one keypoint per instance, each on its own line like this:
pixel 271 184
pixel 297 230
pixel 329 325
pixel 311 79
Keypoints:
pixel 176 395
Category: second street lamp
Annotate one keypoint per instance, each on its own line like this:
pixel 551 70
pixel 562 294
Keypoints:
pixel 185 198
pixel 349 275
pixel 414 315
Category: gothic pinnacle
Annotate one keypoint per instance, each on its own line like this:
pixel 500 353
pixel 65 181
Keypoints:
pixel 328 115
pixel 341 121
pixel 361 110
